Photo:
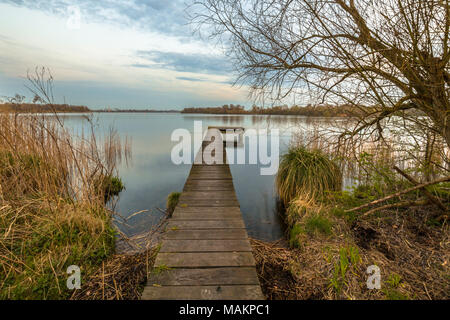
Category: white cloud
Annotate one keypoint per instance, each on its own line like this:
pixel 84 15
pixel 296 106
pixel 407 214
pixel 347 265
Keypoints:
pixel 104 52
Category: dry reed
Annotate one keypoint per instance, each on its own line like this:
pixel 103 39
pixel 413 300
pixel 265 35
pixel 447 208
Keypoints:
pixel 52 210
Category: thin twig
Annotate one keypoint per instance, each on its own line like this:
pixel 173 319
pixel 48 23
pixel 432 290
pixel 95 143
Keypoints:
pixel 397 194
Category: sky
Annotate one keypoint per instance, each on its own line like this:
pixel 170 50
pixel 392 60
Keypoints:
pixel 114 53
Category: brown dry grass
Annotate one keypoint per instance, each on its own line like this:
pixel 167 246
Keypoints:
pixel 398 242
pixel 122 277
pixel 52 210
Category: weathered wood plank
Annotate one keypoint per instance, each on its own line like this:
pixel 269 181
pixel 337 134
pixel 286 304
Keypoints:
pixel 209 203
pixel 196 213
pixel 205 245
pixel 209 182
pixel 224 166
pixel 209 172
pixel 207 188
pixel 205 224
pixel 210 176
pixel 209 185
pixel 205 276
pixel 205 210
pixel 210 168
pixel 207 159
pixel 222 292
pixel 206 168
pixel 205 259
pixel 218 234
pixel 201 195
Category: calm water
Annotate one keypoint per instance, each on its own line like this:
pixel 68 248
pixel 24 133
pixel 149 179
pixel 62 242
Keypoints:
pixel 150 175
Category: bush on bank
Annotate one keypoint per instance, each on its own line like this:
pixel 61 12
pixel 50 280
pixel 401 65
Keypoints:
pixel 52 215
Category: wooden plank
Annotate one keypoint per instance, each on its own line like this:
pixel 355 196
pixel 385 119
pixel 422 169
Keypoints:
pixel 209 203
pixel 205 276
pixel 221 210
pixel 205 245
pixel 222 292
pixel 211 176
pixel 209 182
pixel 207 188
pixel 203 165
pixel 209 168
pixel 212 166
pixel 205 224
pixel 218 234
pixel 208 185
pixel 205 259
pixel 201 195
pixel 208 172
pixel 196 213
pixel 207 159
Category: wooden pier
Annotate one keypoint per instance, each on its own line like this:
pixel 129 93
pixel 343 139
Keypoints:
pixel 205 253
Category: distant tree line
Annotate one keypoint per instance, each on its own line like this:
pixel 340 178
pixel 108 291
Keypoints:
pixel 225 109
pixel 309 110
pixel 40 108
pixel 136 110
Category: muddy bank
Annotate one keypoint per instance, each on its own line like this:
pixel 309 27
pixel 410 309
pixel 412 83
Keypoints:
pixel 412 255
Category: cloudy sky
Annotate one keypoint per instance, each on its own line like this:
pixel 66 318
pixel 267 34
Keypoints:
pixel 120 53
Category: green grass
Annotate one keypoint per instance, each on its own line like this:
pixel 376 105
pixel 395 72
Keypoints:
pixel 112 186
pixel 394 280
pixel 349 217
pixel 43 234
pixel 318 224
pixel 348 260
pixel 314 225
pixel 294 235
pixel 52 207
pixel 172 201
pixel 392 291
pixel 75 235
pixel 159 269
pixel 394 294
pixel 306 173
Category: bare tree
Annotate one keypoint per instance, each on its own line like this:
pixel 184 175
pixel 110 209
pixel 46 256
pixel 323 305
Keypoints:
pixel 391 55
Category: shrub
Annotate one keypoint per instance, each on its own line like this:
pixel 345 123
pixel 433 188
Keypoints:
pixel 308 174
pixel 52 211
pixel 172 201
pixel 294 236
pixel 349 259
pixel 112 187
pixel 318 224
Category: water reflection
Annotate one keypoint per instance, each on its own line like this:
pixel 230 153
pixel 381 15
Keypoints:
pixel 151 176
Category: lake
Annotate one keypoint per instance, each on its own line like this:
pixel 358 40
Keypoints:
pixel 150 176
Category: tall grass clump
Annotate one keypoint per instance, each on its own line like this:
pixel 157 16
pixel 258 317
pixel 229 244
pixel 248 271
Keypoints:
pixel 307 174
pixel 172 201
pixel 52 212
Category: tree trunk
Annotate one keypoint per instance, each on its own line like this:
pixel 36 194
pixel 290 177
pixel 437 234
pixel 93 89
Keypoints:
pixel 446 134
